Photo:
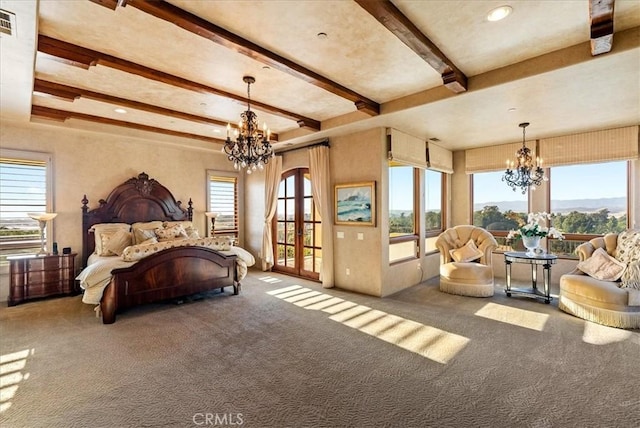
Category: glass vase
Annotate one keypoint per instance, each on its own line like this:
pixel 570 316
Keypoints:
pixel 531 243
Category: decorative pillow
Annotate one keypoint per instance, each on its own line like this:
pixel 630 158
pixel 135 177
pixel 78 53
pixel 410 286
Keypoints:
pixel 602 266
pixel 631 276
pixel 628 246
pixel 109 228
pixel 170 233
pixel 115 243
pixel 144 230
pixel 466 253
pixel 192 232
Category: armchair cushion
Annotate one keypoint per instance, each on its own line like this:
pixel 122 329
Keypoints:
pixel 602 266
pixel 467 253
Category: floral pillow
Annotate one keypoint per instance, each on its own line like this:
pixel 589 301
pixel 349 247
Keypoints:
pixel 467 253
pixel 170 233
pixel 602 266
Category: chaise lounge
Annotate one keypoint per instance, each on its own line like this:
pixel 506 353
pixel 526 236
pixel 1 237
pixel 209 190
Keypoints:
pixel 600 295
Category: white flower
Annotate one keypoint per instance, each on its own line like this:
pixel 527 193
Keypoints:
pixel 536 226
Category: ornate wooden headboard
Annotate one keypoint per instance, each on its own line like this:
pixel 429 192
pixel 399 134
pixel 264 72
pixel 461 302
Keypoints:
pixel 137 199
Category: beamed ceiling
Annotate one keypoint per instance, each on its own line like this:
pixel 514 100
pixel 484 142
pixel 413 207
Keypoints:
pixel 434 69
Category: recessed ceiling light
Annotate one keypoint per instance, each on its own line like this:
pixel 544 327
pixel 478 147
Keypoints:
pixel 511 110
pixel 266 67
pixel 120 110
pixel 499 13
pixel 434 139
pixel 322 36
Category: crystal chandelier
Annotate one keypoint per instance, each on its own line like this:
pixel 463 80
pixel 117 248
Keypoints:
pixel 524 173
pixel 251 148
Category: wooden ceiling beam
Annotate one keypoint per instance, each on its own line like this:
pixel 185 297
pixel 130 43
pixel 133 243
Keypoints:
pixel 82 57
pixel 63 115
pixel 210 31
pixel 71 93
pixel 601 17
pixel 390 16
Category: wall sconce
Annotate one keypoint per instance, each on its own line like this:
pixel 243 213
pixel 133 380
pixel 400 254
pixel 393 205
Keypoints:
pixel 212 216
pixel 42 218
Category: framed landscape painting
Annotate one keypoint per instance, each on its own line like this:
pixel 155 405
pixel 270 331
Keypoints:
pixel 355 204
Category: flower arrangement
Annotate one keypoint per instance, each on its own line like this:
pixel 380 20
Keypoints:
pixel 535 226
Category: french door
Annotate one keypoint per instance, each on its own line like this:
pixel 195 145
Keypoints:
pixel 297 227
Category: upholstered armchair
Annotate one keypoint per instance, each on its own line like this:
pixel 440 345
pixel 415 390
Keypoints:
pixel 465 261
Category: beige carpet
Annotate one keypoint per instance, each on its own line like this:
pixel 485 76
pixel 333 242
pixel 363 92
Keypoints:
pixel 287 353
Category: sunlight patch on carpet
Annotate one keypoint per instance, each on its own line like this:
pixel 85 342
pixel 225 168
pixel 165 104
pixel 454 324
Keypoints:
pixel 429 342
pixel 514 316
pixel 597 334
pixel 270 279
pixel 11 374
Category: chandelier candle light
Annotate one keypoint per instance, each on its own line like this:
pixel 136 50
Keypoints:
pixel 251 148
pixel 534 230
pixel 524 173
pixel 42 219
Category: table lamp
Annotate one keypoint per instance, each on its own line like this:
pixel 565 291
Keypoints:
pixel 42 218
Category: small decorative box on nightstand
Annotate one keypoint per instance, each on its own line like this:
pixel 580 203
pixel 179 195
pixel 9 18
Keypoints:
pixel 33 277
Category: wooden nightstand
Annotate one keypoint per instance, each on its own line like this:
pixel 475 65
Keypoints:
pixel 33 277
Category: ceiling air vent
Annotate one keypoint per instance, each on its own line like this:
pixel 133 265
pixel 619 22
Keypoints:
pixel 7 23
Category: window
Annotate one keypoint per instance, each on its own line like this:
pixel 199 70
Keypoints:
pixel 25 186
pixel 223 199
pixel 494 203
pixel 496 206
pixel 588 200
pixel 434 214
pixel 403 238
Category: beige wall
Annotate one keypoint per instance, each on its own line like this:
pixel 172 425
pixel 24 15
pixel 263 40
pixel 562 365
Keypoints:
pixel 93 164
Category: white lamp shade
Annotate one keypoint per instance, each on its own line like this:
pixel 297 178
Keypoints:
pixel 42 216
pixel 211 214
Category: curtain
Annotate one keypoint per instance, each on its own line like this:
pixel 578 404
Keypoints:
pixel 273 172
pixel 321 190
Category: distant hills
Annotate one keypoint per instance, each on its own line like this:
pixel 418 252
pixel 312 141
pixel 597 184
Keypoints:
pixel 614 205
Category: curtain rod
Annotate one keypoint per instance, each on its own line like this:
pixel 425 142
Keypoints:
pixel 324 142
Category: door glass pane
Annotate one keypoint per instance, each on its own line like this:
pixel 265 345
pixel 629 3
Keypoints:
pixel 291 233
pixel 308 234
pixel 291 188
pixel 280 209
pixel 291 254
pixel 280 232
pixel 281 189
pixel 291 209
pixel 280 255
pixel 307 209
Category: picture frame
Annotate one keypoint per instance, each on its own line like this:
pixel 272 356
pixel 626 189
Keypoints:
pixel 355 204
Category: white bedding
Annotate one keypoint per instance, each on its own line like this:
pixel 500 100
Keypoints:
pixel 96 276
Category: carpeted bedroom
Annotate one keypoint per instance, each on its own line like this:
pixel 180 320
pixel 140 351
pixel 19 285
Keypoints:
pixel 288 353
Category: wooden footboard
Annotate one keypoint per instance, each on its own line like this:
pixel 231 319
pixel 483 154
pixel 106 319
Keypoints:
pixel 171 273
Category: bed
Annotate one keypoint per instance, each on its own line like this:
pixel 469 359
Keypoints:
pixel 145 271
